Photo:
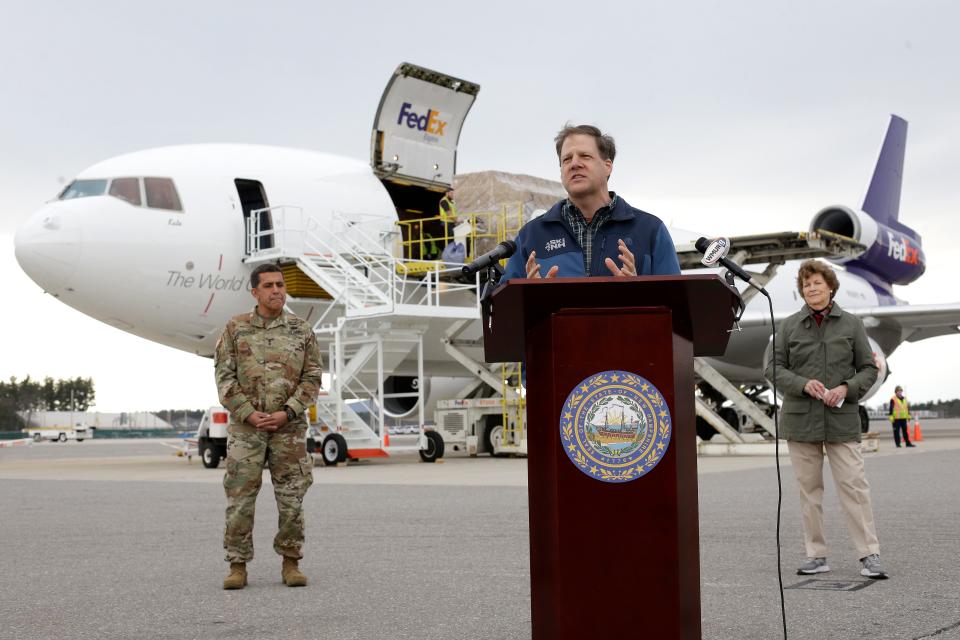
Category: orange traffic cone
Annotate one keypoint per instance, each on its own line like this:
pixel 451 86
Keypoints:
pixel 386 437
pixel 917 433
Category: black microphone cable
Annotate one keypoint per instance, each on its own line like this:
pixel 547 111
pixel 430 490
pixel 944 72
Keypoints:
pixel 776 454
pixel 715 252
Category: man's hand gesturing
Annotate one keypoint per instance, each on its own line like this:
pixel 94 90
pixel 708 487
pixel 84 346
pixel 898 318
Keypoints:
pixel 533 269
pixel 629 266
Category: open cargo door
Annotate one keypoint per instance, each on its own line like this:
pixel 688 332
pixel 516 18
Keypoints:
pixel 417 128
pixel 414 150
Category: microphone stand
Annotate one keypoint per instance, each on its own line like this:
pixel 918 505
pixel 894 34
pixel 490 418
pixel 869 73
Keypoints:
pixel 494 273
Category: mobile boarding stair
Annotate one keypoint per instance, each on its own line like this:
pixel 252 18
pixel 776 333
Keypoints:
pixel 369 315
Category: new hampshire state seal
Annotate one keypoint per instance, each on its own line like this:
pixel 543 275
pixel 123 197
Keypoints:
pixel 615 426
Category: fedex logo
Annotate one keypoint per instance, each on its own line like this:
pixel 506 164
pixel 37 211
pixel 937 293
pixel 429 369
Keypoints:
pixel 901 250
pixel 428 122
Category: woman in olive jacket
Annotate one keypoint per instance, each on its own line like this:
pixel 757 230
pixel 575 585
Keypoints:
pixel 824 365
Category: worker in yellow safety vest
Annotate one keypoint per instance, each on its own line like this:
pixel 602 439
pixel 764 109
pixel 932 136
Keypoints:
pixel 899 416
pixel 448 215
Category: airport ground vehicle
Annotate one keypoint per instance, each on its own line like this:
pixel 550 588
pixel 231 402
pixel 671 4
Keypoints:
pixel 212 436
pixel 477 426
pixel 78 432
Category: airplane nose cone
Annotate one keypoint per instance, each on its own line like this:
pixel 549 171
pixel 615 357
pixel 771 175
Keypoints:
pixel 47 247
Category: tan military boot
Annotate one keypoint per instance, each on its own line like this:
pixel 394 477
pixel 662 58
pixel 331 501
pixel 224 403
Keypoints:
pixel 238 576
pixel 291 573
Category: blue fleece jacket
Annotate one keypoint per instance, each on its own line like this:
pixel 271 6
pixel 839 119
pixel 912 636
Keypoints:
pixel 549 235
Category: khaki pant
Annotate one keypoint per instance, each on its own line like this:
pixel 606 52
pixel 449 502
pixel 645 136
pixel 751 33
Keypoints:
pixel 846 464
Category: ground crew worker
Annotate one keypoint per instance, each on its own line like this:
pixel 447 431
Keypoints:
pixel 899 417
pixel 448 215
pixel 268 373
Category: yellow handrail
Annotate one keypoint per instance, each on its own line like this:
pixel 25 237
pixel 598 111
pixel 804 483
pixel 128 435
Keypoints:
pixel 486 228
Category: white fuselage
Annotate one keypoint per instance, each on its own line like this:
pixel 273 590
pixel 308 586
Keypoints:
pixel 176 277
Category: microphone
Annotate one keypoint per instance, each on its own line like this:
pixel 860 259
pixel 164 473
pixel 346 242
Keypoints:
pixel 503 250
pixel 716 251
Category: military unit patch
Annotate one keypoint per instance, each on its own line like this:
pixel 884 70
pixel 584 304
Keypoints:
pixel 615 426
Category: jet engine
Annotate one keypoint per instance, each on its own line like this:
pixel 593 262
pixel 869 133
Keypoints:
pixel 895 255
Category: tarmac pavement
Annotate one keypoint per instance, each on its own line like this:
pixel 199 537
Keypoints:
pixel 112 539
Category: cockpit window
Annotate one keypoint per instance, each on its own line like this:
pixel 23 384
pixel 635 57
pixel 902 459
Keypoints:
pixel 84 189
pixel 161 194
pixel 126 189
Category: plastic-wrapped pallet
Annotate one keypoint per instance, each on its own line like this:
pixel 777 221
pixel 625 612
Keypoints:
pixel 522 195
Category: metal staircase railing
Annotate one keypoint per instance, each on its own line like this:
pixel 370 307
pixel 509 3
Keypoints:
pixel 359 363
pixel 357 270
pixel 347 263
pixel 372 289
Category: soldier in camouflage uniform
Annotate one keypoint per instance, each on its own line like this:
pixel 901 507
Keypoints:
pixel 268 373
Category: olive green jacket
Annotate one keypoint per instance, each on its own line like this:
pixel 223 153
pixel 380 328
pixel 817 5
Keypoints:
pixel 835 352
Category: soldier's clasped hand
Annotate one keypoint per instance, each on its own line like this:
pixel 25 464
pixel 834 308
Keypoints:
pixel 263 421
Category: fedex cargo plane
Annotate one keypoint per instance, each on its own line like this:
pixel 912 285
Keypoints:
pixel 185 225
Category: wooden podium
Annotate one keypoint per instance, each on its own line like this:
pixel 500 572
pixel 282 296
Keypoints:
pixel 614 541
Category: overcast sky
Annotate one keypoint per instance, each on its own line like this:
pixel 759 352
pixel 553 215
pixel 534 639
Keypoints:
pixel 730 118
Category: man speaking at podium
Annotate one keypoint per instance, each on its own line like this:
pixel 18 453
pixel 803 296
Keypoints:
pixel 593 232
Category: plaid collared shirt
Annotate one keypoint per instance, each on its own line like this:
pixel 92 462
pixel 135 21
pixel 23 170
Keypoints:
pixel 584 231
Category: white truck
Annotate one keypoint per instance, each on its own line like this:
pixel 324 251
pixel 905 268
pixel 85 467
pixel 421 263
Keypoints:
pixel 78 432
pixel 212 436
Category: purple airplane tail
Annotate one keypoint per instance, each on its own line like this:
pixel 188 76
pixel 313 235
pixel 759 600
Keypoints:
pixel 882 201
pixel 894 254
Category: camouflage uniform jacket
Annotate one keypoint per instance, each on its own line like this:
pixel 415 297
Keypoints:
pixel 266 365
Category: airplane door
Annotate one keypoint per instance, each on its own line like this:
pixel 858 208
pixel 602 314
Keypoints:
pixel 253 197
pixel 417 126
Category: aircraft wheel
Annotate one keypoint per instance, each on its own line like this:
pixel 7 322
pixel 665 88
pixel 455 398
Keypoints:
pixel 729 414
pixel 434 450
pixel 211 458
pixel 334 449
pixel 864 419
pixel 62 437
pixel 704 429
pixel 37 437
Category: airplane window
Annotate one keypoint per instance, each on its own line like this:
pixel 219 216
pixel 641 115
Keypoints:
pixel 161 194
pixel 84 189
pixel 126 189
